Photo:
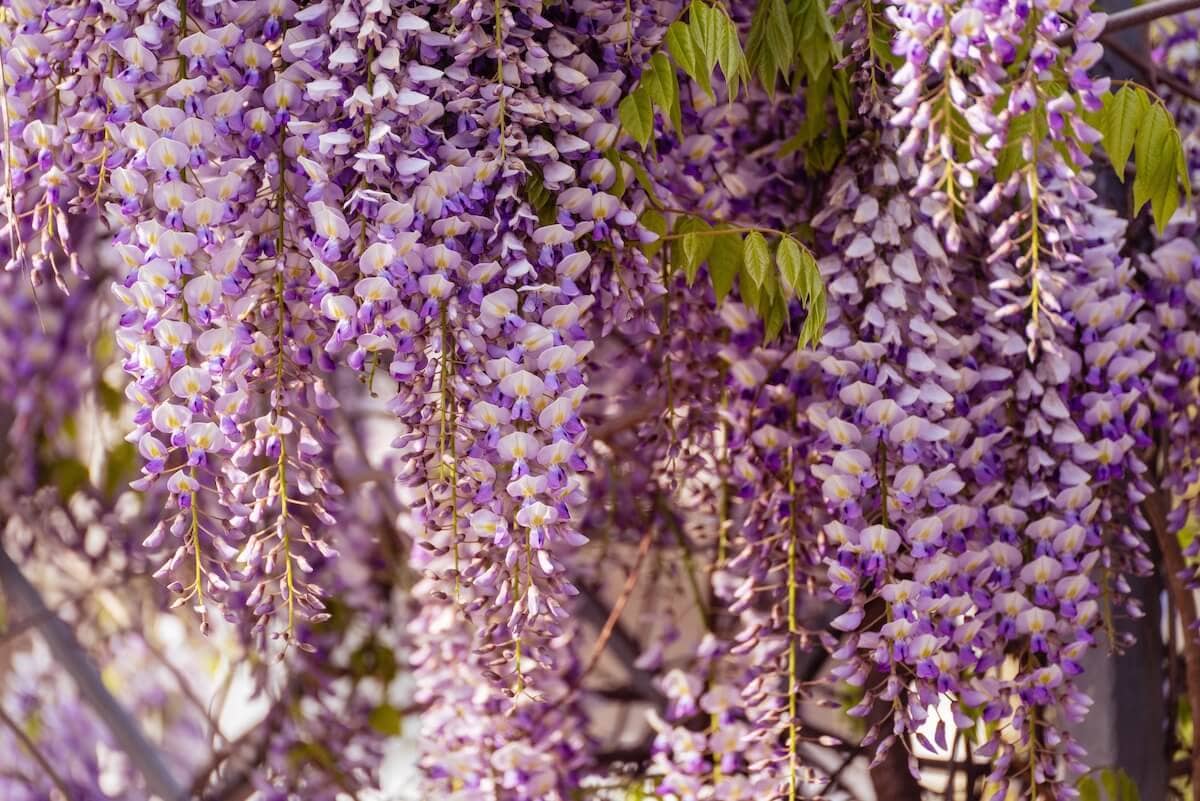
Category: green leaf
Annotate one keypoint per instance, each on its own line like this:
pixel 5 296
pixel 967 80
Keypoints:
pixel 1128 790
pixel 637 115
pixel 68 476
pixel 775 317
pixel 757 257
pixel 730 57
pixel 1120 122
pixel 387 720
pixel 1164 204
pixel 815 55
pixel 682 46
pixel 643 179
pixel 770 305
pixel 813 34
pixel 649 83
pixel 1149 136
pixel 804 23
pixel 824 153
pixel 707 26
pixel 1108 777
pixel 762 53
pixel 1012 155
pixel 618 187
pixel 788 258
pixel 1156 161
pixel 1088 789
pixel 779 35
pixel 692 247
pixel 653 220
pixel 814 322
pixel 816 93
pixel 724 263
pixel 799 270
pixel 749 291
pixel 660 80
pixel 794 143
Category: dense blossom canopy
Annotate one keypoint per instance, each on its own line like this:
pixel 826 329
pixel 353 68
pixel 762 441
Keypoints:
pixel 430 313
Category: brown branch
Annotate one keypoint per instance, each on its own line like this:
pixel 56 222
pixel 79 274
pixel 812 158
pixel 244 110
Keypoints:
pixel 1174 570
pixel 623 420
pixel 1147 12
pixel 622 694
pixel 1139 15
pixel 1153 74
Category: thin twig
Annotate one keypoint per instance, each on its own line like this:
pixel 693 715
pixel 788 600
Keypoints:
pixel 835 778
pixel 185 687
pixel 622 645
pixel 73 658
pixel 240 758
pixel 37 755
pixel 626 592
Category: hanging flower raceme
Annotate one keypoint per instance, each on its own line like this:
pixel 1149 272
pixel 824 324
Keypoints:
pixel 888 427
pixel 988 90
pixel 439 271
pixel 489 747
pixel 205 137
pixel 1064 479
pixel 729 444
pixel 56 145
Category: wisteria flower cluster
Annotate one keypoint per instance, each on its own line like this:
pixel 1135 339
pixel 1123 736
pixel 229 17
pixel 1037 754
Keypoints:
pixel 807 329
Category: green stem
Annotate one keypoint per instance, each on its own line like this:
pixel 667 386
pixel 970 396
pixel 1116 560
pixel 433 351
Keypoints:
pixel 498 11
pixel 194 536
pixel 446 437
pixel 281 344
pixel 793 626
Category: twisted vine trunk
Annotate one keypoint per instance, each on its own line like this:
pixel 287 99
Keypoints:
pixel 1174 567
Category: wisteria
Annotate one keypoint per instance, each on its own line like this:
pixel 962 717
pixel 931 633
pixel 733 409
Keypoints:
pixel 698 401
